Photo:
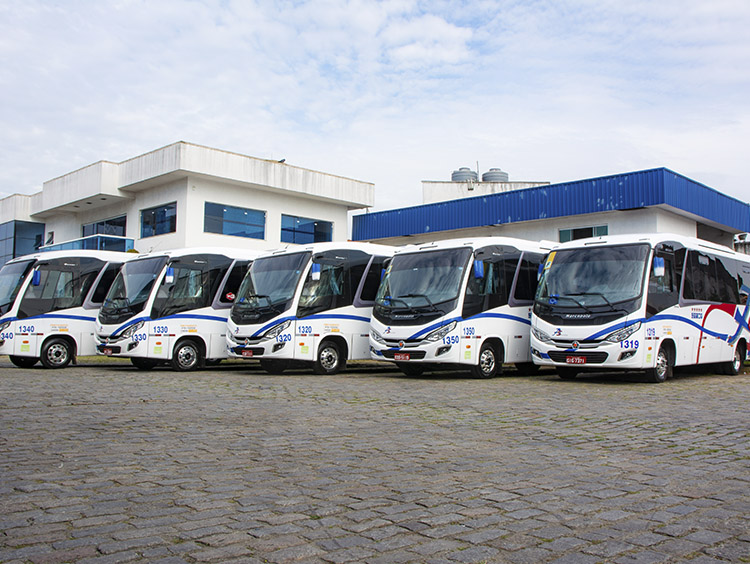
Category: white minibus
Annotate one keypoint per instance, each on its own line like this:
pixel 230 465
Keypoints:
pixel 460 302
pixel 308 304
pixel 172 307
pixel 649 302
pixel 49 302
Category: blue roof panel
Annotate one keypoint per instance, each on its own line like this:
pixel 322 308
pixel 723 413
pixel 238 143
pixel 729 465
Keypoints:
pixel 617 192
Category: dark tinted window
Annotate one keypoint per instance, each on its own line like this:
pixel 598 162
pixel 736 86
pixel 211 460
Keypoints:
pixel 231 220
pixel 527 279
pixel 100 292
pixel 711 279
pixel 159 220
pixel 232 285
pixel 372 280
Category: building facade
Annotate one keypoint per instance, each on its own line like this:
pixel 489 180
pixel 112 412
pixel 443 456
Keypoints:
pixel 186 195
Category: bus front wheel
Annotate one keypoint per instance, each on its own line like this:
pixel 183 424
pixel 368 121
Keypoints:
pixel 330 359
pixel 188 355
pixel 663 369
pixel 490 363
pixel 56 353
pixel 23 361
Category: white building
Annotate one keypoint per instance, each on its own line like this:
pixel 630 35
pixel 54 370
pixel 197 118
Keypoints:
pixel 184 195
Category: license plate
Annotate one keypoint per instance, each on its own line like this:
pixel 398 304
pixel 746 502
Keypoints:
pixel 107 351
pixel 247 353
pixel 401 356
pixel 575 359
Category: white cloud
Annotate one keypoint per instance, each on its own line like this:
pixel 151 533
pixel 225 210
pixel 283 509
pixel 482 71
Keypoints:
pixel 392 92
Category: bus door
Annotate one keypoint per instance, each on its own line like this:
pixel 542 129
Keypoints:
pixel 664 284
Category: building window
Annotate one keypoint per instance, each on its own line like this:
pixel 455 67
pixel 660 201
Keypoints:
pixel 159 220
pixel 114 226
pixel 18 238
pixel 238 222
pixel 582 232
pixel 303 230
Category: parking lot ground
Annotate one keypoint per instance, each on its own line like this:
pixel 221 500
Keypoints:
pixel 104 463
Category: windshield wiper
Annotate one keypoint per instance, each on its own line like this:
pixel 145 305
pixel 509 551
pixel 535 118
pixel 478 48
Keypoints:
pixel 602 296
pixel 247 305
pixel 423 296
pixel 393 301
pixel 572 299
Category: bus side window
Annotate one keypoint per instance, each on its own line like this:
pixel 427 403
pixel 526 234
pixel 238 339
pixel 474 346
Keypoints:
pixel 229 291
pixel 372 281
pixel 662 290
pixel 100 292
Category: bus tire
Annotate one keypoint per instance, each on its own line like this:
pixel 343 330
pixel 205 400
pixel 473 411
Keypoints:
pixel 734 366
pixel 527 368
pixel 274 367
pixel 143 363
pixel 566 373
pixel 330 358
pixel 56 353
pixel 410 369
pixel 663 369
pixel 489 364
pixel 188 355
pixel 23 361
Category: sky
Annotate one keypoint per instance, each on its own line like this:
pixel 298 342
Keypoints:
pixel 393 92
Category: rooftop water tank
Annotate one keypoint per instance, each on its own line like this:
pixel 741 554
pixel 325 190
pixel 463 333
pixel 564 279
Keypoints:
pixel 463 174
pixel 495 175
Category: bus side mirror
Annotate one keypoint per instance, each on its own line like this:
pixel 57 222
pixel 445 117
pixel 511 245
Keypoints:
pixel 36 278
pixel 315 271
pixel 169 276
pixel 659 269
pixel 478 269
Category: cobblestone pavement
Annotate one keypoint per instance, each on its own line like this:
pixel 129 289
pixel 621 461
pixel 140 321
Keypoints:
pixel 104 463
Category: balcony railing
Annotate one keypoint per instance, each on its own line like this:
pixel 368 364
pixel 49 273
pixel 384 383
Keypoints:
pixel 93 243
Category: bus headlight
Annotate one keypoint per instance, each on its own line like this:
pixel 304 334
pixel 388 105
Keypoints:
pixel 4 326
pixel 438 334
pixel 276 330
pixel 624 333
pixel 377 337
pixel 130 331
pixel 541 335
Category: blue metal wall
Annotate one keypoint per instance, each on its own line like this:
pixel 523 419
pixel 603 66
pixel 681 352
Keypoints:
pixel 618 192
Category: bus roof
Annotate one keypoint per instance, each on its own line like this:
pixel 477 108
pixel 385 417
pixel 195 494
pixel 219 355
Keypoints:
pixel 228 252
pixel 369 248
pixel 478 243
pixel 651 239
pixel 107 256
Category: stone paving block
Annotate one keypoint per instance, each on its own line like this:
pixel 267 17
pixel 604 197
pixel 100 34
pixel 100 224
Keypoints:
pixel 522 466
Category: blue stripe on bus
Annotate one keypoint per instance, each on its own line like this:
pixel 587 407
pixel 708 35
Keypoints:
pixel 58 316
pixel 175 316
pixel 314 316
pixel 659 317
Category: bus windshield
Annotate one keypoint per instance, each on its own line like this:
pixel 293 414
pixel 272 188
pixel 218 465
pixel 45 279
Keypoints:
pixel 11 278
pixel 131 289
pixel 593 276
pixel 61 283
pixel 269 287
pixel 426 282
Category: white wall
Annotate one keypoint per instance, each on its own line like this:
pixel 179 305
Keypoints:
pixel 201 190
pixel 618 223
